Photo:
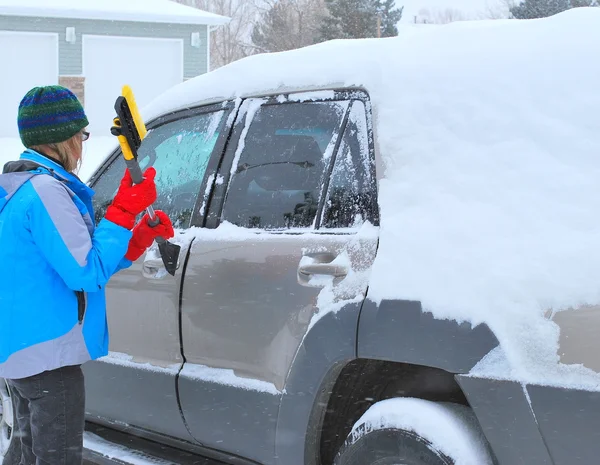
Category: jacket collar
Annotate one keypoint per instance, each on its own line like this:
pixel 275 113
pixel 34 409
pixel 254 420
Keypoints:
pixel 56 170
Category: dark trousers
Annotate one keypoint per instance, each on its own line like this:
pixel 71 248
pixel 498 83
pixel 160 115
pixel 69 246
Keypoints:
pixel 50 416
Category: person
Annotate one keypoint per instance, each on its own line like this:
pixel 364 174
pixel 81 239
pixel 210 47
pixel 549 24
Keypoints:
pixel 55 267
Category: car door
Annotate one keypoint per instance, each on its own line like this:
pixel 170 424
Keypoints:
pixel 286 251
pixel 135 384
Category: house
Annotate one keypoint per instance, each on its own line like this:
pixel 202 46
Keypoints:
pixel 94 47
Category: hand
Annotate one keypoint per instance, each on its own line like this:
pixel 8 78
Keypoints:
pixel 144 234
pixel 131 200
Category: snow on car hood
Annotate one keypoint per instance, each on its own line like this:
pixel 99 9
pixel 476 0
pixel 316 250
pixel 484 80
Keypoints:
pixel 488 139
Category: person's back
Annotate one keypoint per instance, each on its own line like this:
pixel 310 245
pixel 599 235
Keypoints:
pixel 43 312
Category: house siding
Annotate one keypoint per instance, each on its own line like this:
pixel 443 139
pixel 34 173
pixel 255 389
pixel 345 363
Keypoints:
pixel 70 54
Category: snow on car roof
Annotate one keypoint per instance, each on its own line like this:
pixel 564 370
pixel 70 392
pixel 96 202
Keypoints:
pixel 488 137
pixel 159 11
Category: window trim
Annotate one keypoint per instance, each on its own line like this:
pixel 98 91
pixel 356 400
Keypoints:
pixel 219 193
pixel 373 214
pixel 334 157
pixel 228 107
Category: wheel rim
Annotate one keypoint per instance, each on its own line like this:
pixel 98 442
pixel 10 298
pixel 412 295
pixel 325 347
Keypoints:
pixel 6 418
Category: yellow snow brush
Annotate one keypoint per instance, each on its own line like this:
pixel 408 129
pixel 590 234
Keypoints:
pixel 131 131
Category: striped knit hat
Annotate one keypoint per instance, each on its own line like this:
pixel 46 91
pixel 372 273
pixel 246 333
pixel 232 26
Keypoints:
pixel 48 115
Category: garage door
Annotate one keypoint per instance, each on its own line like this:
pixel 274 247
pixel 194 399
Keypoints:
pixel 149 66
pixel 28 60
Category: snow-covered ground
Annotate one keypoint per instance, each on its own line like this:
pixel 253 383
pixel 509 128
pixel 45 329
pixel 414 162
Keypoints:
pixel 96 149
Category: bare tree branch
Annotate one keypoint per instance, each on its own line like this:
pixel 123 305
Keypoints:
pixel 231 41
pixel 288 24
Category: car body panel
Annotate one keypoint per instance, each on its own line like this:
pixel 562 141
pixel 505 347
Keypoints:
pixel 507 421
pixel 400 331
pixel 326 349
pixel 578 341
pixel 143 316
pixel 569 422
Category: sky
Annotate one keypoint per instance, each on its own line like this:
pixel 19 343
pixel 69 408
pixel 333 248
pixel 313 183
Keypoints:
pixel 473 9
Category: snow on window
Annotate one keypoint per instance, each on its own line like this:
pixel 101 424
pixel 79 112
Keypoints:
pixel 249 107
pixel 209 184
pixel 352 192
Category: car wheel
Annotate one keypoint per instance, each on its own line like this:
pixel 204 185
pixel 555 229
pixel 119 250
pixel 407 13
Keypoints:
pixel 10 446
pixel 415 432
pixel 391 447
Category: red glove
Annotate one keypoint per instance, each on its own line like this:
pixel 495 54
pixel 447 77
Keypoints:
pixel 131 200
pixel 144 235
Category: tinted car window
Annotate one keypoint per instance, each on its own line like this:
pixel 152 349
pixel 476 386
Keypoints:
pixel 180 152
pixel 282 162
pixel 351 198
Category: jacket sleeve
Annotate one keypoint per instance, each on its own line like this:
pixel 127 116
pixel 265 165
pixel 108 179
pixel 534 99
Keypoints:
pixel 123 265
pixel 61 234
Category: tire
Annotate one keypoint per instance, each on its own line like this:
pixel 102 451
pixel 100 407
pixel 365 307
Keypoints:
pixel 391 447
pixel 415 432
pixel 10 446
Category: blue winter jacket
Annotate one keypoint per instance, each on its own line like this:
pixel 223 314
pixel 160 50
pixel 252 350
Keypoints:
pixel 54 266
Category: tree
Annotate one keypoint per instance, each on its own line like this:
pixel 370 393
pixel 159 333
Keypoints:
pixel 532 9
pixel 231 41
pixel 500 10
pixel 356 19
pixel 390 17
pixel 288 24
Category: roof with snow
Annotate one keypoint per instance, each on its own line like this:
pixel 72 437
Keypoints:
pixel 155 11
pixel 488 140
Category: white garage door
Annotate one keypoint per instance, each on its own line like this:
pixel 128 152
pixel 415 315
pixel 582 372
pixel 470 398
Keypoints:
pixel 28 60
pixel 149 66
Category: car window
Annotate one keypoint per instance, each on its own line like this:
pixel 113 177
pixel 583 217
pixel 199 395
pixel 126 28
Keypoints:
pixel 180 152
pixel 282 163
pixel 351 198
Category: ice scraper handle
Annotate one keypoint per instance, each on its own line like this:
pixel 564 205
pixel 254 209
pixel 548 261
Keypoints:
pixel 137 177
pixel 168 251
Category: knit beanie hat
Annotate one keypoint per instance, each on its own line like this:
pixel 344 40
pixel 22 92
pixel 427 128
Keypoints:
pixel 48 115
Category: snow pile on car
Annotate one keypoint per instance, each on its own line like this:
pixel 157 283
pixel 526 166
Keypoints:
pixel 489 139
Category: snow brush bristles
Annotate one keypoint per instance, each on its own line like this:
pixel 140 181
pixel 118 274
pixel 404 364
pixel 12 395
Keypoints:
pixel 137 119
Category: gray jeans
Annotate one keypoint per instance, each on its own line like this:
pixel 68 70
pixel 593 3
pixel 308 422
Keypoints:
pixel 50 416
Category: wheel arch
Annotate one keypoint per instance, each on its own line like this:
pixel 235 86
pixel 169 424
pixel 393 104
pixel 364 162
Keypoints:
pixel 341 356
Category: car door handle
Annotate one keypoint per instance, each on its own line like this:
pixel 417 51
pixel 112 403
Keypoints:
pixel 307 272
pixel 154 269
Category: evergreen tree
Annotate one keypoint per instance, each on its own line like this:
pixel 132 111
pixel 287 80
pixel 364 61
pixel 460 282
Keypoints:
pixel 357 19
pixel 532 9
pixel 390 17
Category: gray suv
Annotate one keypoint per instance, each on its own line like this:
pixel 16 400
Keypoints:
pixel 264 347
